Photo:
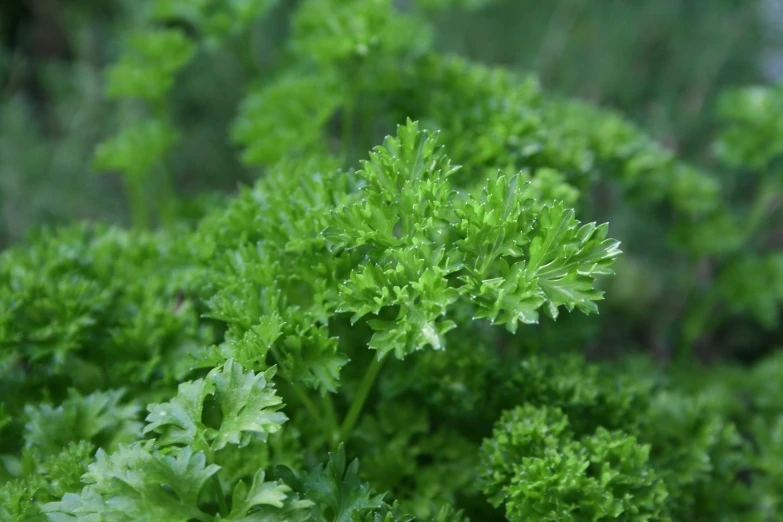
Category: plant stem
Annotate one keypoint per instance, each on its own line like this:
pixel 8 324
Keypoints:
pixel 221 497
pixel 331 416
pixel 308 403
pixel 167 212
pixel 248 50
pixel 695 324
pixel 166 209
pixel 361 397
pixel 765 198
pixel 347 137
pixel 138 204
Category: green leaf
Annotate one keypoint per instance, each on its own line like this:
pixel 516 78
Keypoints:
pixel 248 404
pixel 100 417
pixel 341 30
pixel 266 501
pixel 286 118
pixel 421 294
pixel 338 491
pixel 148 70
pixel 137 149
pixel 216 19
pixel 17 502
pixel 178 421
pixel 312 358
pixel 248 407
pixel 137 484
pixel 536 466
pixel 512 256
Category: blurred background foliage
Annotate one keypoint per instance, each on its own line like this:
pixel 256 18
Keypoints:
pixel 659 62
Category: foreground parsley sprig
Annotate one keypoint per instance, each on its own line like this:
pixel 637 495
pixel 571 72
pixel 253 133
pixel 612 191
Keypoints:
pixel 428 249
pixel 414 251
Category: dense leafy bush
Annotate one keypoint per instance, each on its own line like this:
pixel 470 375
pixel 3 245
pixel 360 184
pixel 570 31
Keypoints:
pixel 396 335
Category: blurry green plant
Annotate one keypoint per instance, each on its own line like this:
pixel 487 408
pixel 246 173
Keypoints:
pixel 662 63
pixel 146 71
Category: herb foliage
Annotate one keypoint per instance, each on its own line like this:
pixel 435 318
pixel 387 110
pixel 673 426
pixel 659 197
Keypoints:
pixel 393 335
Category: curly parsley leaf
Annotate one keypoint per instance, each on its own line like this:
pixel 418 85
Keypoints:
pixel 135 483
pixel 248 405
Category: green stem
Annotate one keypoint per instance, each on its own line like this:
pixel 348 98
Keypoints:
pixel 308 403
pixel 765 198
pixel 331 416
pixel 137 201
pixel 347 137
pixel 361 397
pixel 167 204
pixel 302 396
pixel 248 51
pixel 221 497
pixel 165 201
pixel 700 320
